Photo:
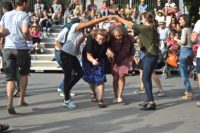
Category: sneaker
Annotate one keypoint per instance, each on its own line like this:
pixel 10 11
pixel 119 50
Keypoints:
pixel 59 90
pixel 161 94
pixel 139 92
pixel 115 100
pixel 72 94
pixel 69 104
pixel 62 94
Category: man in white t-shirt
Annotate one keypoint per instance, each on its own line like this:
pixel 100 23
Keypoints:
pixel 195 37
pixel 15 52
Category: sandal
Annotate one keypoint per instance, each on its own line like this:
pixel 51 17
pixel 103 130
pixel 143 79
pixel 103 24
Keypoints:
pixel 11 111
pixel 93 98
pixel 4 127
pixel 101 104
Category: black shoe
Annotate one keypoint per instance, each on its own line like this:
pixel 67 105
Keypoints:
pixel 149 106
pixel 143 104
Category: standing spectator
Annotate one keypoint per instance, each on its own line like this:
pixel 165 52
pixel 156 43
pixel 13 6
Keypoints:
pixel 92 8
pixel 160 16
pixel 38 5
pixel 16 51
pixel 134 14
pixel 149 39
pixel 185 53
pixel 94 64
pixel 195 37
pixel 69 53
pixel 57 8
pixel 122 47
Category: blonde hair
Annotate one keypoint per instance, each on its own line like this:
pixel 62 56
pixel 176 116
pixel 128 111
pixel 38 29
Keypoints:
pixel 101 32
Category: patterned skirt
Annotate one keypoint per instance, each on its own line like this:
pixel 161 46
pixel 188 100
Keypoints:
pixel 94 74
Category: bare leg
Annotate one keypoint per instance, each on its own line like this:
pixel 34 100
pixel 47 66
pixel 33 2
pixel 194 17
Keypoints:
pixel 10 90
pixel 115 86
pixel 100 91
pixel 23 86
pixel 157 81
pixel 121 84
pixel 92 87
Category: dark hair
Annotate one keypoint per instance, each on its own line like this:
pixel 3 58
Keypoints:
pixel 150 19
pixel 187 20
pixel 8 6
pixel 20 2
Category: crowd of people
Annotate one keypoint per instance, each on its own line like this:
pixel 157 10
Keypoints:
pixel 109 38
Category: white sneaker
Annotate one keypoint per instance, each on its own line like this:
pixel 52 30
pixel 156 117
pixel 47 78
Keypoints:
pixel 69 104
pixel 59 90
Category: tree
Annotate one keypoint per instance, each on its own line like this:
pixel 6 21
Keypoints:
pixel 193 8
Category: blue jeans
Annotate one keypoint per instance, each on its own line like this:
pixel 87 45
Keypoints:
pixel 183 67
pixel 148 65
pixel 57 57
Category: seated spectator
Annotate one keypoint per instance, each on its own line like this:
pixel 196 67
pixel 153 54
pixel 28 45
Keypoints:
pixel 36 34
pixel 134 14
pixel 45 22
pixel 38 5
pixel 67 14
pixel 92 8
pixel 104 8
pixel 174 24
pixel 114 8
pixel 163 32
pixel 57 7
pixel 169 10
pixel 171 42
pixel 160 16
pixel 50 12
pixel 77 11
pixel 127 11
pixel 142 8
pixel 159 7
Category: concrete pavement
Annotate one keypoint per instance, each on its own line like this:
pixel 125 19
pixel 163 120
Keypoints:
pixel 45 113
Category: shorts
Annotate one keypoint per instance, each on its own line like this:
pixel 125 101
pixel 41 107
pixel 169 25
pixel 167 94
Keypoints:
pixel 198 66
pixel 16 59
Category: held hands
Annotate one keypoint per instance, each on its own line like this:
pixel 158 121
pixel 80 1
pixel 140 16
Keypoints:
pixel 95 62
pixel 110 55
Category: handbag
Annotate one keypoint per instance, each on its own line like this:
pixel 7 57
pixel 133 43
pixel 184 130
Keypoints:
pixel 172 59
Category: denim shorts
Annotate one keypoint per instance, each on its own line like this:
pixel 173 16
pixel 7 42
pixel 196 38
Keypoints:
pixel 16 59
pixel 198 66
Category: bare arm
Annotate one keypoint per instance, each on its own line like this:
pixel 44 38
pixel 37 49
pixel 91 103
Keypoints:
pixel 125 22
pixel 3 32
pixel 26 32
pixel 91 59
pixel 58 45
pixel 83 25
pixel 194 37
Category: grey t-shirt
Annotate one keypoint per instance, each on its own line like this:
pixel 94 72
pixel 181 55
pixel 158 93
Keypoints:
pixel 73 42
pixel 185 40
pixel 13 21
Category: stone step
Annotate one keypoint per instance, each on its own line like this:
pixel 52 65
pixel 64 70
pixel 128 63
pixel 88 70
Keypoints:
pixel 42 56
pixel 49 35
pixel 47 44
pixel 45 69
pixel 44 63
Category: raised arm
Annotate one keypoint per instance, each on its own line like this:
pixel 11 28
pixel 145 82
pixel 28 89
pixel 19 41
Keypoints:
pixel 83 25
pixel 125 22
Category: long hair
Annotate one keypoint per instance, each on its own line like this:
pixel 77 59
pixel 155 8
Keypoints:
pixel 119 29
pixel 187 20
pixel 150 19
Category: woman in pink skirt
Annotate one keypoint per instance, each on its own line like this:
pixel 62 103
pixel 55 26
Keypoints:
pixel 121 60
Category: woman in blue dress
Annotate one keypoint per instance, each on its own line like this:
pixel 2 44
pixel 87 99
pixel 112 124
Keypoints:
pixel 94 62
